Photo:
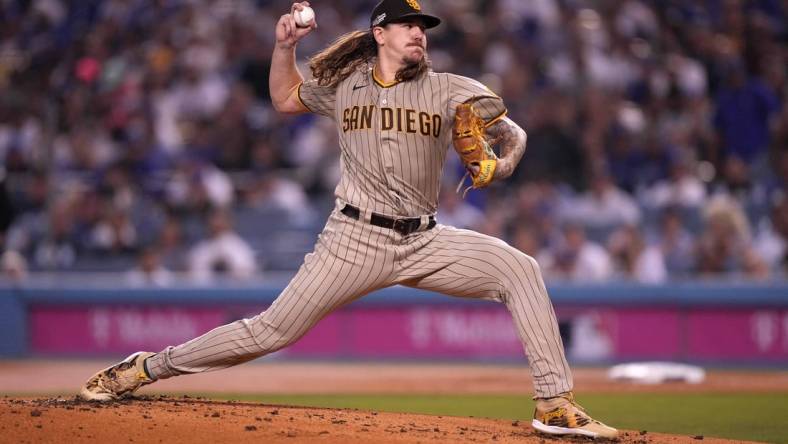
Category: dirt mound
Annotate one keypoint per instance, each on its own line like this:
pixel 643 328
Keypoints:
pixel 192 420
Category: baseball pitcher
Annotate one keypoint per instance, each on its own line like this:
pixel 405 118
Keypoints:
pixel 396 120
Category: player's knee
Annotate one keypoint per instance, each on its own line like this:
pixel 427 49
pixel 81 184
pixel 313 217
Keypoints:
pixel 275 338
pixel 529 264
pixel 533 264
pixel 271 336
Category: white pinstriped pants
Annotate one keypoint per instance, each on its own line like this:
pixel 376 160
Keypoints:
pixel 353 258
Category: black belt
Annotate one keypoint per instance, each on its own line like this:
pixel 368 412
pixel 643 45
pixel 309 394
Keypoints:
pixel 401 226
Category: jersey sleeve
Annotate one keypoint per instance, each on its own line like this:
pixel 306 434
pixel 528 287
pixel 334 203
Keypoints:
pixel 487 104
pixel 316 98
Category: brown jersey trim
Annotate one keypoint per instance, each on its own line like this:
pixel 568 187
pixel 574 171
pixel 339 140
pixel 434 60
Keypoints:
pixel 298 96
pixel 381 83
pixel 496 118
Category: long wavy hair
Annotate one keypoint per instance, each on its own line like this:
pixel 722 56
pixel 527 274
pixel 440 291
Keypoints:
pixel 351 51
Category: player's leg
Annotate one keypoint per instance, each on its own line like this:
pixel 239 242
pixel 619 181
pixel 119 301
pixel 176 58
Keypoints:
pixel 468 264
pixel 346 264
pixel 465 263
pixel 309 297
pixel 342 269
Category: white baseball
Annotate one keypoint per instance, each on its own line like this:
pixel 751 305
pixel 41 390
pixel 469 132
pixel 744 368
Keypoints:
pixel 304 17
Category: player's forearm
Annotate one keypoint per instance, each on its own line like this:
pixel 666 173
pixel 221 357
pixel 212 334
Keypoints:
pixel 511 140
pixel 284 78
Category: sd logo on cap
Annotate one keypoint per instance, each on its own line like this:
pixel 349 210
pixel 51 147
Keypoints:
pixel 391 11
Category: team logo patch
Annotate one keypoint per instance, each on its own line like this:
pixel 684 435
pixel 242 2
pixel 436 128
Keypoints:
pixel 414 4
pixel 378 19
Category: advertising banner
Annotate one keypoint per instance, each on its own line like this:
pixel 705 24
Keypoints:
pixel 431 332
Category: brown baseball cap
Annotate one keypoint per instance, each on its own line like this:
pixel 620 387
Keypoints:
pixel 392 11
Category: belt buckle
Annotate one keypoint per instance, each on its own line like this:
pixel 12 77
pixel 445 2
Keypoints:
pixel 406 226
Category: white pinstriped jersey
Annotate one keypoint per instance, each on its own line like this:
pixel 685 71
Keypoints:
pixel 394 137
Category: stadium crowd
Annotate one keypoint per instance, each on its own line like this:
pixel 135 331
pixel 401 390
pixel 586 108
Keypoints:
pixel 138 136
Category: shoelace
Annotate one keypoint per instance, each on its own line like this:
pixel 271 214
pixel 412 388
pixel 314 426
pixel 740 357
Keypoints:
pixel 582 410
pixel 578 406
pixel 571 398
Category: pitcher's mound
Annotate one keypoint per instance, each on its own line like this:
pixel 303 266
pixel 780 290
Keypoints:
pixel 191 420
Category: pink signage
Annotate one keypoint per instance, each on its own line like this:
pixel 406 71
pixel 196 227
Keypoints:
pixel 97 330
pixel 429 332
pixel 461 332
pixel 761 334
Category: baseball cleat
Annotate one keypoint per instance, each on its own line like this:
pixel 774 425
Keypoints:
pixel 562 415
pixel 117 380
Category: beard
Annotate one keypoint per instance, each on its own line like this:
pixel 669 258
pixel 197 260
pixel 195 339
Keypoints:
pixel 413 67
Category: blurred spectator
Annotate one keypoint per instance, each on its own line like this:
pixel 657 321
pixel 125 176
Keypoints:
pixel 625 153
pixel 171 246
pixel 234 129
pixel 537 206
pixel 771 241
pixel 578 259
pixel 149 271
pixel 6 208
pixel 31 192
pixel 604 205
pixel 744 109
pixel 200 93
pixel 634 259
pixel 47 238
pixel 682 189
pixel 776 183
pixel 223 253
pixel 553 151
pixel 87 147
pixel 113 232
pixel 197 185
pixel 676 243
pixel 13 266
pixel 725 245
pixel 273 191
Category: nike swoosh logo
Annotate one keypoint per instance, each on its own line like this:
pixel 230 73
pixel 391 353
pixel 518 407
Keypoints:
pixel 355 87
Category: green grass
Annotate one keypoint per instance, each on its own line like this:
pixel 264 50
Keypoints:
pixel 752 417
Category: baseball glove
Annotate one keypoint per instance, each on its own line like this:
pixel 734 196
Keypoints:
pixel 475 151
